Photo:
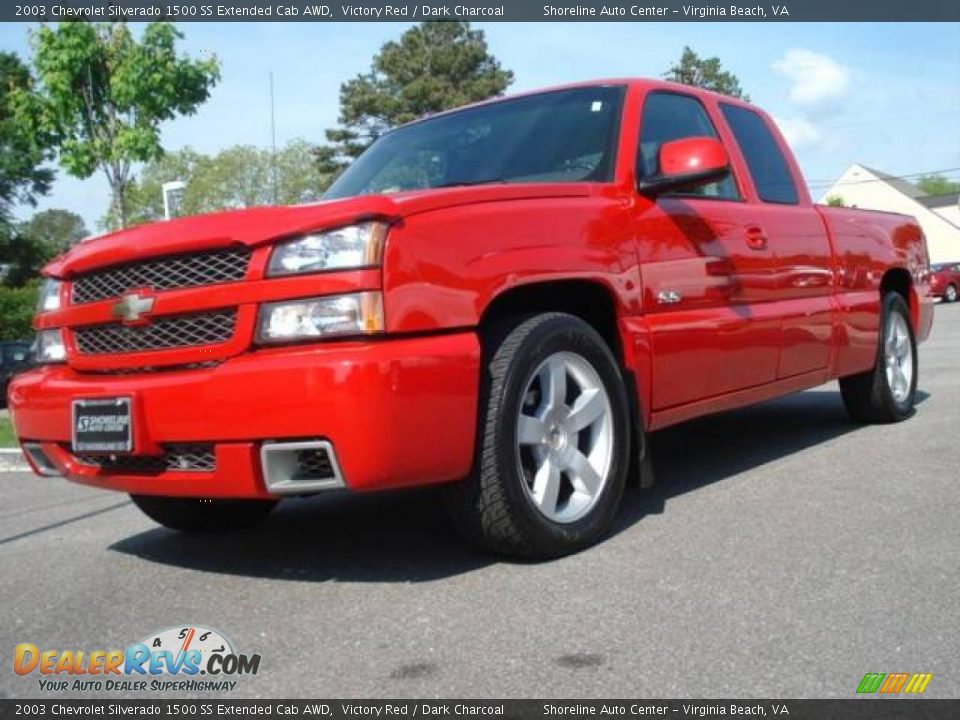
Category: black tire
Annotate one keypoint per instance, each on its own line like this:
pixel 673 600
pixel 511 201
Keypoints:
pixel 493 507
pixel 868 396
pixel 950 294
pixel 197 515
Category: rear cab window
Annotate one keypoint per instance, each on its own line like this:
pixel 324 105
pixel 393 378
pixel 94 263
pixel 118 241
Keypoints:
pixel 771 173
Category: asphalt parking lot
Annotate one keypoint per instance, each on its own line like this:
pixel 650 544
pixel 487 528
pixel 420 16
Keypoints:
pixel 784 553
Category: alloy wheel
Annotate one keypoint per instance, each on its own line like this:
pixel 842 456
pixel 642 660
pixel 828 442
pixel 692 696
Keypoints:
pixel 898 355
pixel 565 437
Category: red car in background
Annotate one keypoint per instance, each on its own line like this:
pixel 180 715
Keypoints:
pixel 945 281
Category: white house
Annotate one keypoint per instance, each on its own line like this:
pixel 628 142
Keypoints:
pixel 938 215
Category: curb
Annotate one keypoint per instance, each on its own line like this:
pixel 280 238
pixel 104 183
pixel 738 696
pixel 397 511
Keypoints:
pixel 11 460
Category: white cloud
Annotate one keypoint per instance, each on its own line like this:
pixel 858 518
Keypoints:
pixel 799 132
pixel 817 79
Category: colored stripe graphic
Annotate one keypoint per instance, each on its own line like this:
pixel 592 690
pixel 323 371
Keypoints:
pixel 870 683
pixel 918 683
pixel 913 683
pixel 894 682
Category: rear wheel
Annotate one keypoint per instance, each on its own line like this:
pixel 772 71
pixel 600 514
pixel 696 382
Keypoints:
pixel 553 441
pixel 196 515
pixel 950 294
pixel 886 393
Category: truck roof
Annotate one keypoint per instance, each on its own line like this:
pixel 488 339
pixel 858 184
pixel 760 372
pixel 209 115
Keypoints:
pixel 641 82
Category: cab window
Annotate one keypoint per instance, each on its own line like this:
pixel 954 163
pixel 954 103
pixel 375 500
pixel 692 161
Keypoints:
pixel 767 164
pixel 672 116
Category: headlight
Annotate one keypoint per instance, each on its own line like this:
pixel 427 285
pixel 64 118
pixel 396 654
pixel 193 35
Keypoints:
pixel 50 347
pixel 319 318
pixel 49 296
pixel 354 246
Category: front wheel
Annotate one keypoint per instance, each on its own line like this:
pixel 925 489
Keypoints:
pixel 950 294
pixel 886 393
pixel 196 515
pixel 553 441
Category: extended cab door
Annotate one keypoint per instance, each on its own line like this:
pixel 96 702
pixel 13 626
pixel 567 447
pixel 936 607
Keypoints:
pixel 781 213
pixel 708 278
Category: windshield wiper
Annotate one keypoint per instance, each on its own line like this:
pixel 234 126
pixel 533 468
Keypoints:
pixel 466 183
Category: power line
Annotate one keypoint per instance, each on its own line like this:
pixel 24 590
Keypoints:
pixel 905 176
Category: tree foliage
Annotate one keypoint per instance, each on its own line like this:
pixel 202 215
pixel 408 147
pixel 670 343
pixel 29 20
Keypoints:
pixel 101 96
pixel 937 185
pixel 706 73
pixel 22 175
pixel 26 247
pixel 17 306
pixel 57 229
pixel 434 66
pixel 239 176
pixel 835 201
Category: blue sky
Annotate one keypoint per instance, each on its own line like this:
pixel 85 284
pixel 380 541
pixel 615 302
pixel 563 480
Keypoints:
pixel 886 95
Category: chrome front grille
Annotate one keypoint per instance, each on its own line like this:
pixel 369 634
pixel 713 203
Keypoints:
pixel 169 273
pixel 176 331
pixel 179 458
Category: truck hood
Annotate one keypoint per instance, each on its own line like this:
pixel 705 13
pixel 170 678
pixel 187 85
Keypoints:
pixel 261 225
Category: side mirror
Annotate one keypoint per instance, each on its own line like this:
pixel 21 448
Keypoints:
pixel 687 163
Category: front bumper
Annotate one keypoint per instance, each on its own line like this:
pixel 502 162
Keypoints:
pixel 398 413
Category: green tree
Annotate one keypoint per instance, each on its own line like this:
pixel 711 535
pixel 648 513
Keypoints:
pixel 434 66
pixel 17 306
pixel 101 96
pixel 239 176
pixel 57 229
pixel 705 73
pixel 22 175
pixel 835 201
pixel 21 255
pixel 937 185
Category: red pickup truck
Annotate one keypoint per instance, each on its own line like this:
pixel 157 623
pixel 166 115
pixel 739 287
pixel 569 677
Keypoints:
pixel 505 297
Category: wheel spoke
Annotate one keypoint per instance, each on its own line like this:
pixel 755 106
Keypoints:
pixel 586 410
pixel 554 379
pixel 902 346
pixel 584 477
pixel 531 430
pixel 546 486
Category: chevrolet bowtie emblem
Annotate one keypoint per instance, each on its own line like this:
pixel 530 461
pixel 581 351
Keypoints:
pixel 132 307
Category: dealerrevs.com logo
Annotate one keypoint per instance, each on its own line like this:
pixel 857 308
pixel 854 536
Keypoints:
pixel 188 658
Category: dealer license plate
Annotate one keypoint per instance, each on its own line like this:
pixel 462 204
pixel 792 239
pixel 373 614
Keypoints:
pixel 103 425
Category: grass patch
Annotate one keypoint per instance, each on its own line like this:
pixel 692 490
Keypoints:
pixel 7 439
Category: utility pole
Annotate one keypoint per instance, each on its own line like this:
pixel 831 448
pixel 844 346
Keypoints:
pixel 273 143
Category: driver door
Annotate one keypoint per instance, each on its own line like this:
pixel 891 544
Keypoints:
pixel 708 273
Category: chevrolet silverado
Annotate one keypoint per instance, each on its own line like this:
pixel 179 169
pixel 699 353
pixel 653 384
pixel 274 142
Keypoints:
pixel 505 298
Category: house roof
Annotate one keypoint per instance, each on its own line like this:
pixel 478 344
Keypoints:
pixel 939 201
pixel 907 188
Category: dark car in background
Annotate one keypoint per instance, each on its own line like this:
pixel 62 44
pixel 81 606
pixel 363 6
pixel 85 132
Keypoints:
pixel 14 357
pixel 945 282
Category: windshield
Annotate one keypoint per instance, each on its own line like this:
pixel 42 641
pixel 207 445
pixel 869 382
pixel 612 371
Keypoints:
pixel 559 137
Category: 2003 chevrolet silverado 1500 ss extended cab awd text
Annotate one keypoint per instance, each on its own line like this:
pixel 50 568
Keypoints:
pixel 505 297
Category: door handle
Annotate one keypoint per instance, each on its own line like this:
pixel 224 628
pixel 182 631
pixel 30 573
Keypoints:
pixel 756 238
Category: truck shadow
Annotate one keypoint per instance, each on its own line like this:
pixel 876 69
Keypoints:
pixel 406 537
pixel 706 450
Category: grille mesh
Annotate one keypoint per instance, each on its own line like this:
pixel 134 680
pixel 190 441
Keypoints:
pixel 165 332
pixel 180 458
pixel 313 464
pixel 206 268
